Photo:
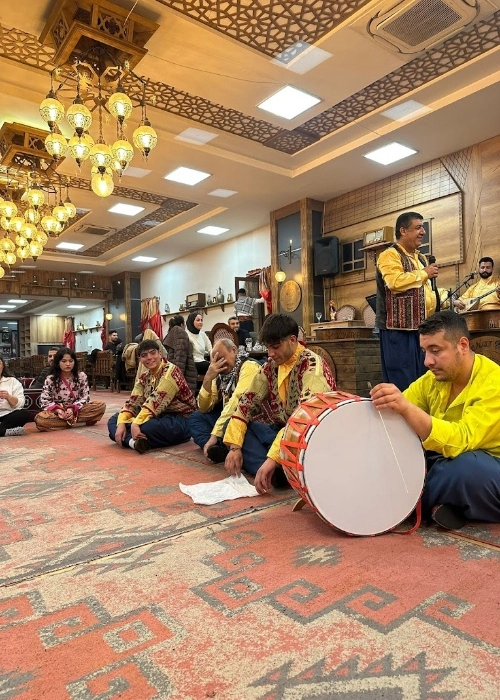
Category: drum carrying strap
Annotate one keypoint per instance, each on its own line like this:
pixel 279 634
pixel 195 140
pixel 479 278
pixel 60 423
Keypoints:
pixel 418 521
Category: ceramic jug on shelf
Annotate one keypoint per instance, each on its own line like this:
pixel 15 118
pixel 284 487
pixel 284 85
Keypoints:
pixel 229 298
pixel 220 295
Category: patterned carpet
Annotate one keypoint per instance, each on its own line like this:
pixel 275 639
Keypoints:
pixel 115 585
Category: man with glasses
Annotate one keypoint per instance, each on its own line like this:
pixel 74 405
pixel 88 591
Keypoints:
pixel 156 413
pixel 291 375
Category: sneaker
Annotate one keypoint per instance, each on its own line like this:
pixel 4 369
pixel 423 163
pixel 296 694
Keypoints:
pixel 14 431
pixel 217 453
pixel 279 480
pixel 141 445
pixel 449 517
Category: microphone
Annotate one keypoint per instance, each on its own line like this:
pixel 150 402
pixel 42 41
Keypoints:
pixel 432 260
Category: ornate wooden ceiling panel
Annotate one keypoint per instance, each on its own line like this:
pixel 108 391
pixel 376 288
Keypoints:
pixel 266 25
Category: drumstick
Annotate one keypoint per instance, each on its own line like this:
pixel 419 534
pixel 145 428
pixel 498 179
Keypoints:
pixel 390 443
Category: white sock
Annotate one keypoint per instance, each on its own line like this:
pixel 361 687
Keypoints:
pixel 131 443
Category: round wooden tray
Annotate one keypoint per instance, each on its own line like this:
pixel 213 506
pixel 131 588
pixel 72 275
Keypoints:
pixel 290 296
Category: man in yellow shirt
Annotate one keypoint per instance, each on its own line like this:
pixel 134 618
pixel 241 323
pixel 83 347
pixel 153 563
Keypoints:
pixel 291 375
pixel 488 289
pixel 405 298
pixel 156 413
pixel 228 376
pixel 455 410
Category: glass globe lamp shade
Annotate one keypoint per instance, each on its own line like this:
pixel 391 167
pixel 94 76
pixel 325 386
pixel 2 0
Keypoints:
pixel 58 229
pixel 2 255
pixel 35 249
pixel 79 116
pixel 120 106
pixel 60 213
pixel 79 147
pixel 10 258
pixel 122 152
pixel 6 245
pixel 56 146
pixel 35 196
pixel 31 216
pixel 5 223
pixel 101 156
pixel 280 276
pixel 70 208
pixel 16 224
pixel 2 272
pixel 51 110
pixel 145 138
pixel 23 252
pixel 49 224
pixel 119 167
pixel 21 241
pixel 102 185
pixel 28 231
pixel 8 209
pixel 41 237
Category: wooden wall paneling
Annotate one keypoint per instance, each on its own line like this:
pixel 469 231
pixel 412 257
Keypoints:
pixel 489 172
pixel 275 265
pixel 49 329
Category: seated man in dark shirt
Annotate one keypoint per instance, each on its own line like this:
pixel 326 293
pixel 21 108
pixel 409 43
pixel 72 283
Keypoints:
pixel 40 380
pixel 114 343
pixel 234 324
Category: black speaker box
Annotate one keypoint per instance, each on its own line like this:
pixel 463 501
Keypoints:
pixel 326 257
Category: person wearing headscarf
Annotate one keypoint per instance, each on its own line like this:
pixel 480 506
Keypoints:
pixel 200 342
pixel 179 350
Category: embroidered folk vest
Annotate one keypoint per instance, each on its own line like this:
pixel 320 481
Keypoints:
pixel 403 310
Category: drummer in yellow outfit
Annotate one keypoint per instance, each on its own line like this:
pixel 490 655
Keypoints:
pixel 486 291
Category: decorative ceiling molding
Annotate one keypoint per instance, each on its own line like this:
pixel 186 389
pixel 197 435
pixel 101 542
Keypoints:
pixel 81 183
pixel 268 26
pixel 436 62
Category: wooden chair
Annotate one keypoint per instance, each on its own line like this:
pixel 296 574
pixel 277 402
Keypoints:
pixel 326 357
pixel 222 330
pixel 15 366
pixel 103 371
pixel 37 363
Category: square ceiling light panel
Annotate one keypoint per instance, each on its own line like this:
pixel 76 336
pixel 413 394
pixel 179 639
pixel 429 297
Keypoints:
pixel 132 171
pixel 76 306
pixel 289 102
pixel 212 230
pixel 198 136
pixel 187 176
pixel 127 209
pixel 17 301
pixel 222 193
pixel 390 153
pixel 301 57
pixel 69 246
pixel 143 258
pixel 406 110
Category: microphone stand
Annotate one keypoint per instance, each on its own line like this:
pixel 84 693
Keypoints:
pixel 454 291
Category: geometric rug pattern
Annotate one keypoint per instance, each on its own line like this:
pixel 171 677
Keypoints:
pixel 115 585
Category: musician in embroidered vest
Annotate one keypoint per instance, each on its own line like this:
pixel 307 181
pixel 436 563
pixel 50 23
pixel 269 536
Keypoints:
pixel 156 413
pixel 486 291
pixel 291 375
pixel 405 298
pixel 228 377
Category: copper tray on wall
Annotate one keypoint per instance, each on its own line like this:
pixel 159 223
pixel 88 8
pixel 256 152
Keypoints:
pixel 290 296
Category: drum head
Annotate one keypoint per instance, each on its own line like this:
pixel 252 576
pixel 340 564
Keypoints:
pixel 364 469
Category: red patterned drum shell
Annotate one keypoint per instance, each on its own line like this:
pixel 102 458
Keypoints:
pixel 362 470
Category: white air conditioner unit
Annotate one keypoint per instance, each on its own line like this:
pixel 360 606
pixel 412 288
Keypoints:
pixel 412 26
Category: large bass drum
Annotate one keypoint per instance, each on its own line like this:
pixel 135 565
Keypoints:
pixel 362 470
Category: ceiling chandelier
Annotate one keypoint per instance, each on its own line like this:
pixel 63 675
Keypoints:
pixel 99 83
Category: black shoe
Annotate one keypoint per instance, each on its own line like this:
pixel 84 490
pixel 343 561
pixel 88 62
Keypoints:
pixel 449 517
pixel 217 453
pixel 279 480
pixel 141 445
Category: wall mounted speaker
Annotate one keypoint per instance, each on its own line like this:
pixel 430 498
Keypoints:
pixel 326 257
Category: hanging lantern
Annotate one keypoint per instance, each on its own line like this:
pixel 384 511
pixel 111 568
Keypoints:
pixel 60 213
pixel 56 145
pixel 21 241
pixel 35 250
pixel 120 105
pixel 122 152
pixel 41 237
pixel 35 197
pixel 101 156
pixel 2 256
pixel 2 272
pixel 52 110
pixel 102 184
pixel 145 138
pixel 6 245
pixel 23 252
pixel 16 224
pixel 31 216
pixel 70 208
pixel 10 258
pixel 79 116
pixel 280 276
pixel 79 147
pixel 8 208
pixel 59 229
pixel 49 224
pixel 28 231
pixel 5 223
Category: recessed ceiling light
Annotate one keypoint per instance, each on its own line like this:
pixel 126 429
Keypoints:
pixel 6 306
pixel 132 171
pixel 187 176
pixel 76 306
pixel 86 272
pixel 390 153
pixel 301 57
pixel 127 209
pixel 51 315
pixel 289 102
pixel 406 110
pixel 3 311
pixel 198 136
pixel 69 246
pixel 28 267
pixel 222 193
pixel 213 230
pixel 17 272
pixel 17 301
pixel 143 258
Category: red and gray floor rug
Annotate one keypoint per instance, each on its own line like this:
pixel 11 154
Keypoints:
pixel 115 585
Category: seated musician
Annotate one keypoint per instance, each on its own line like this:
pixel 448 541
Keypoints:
pixel 455 410
pixel 291 375
pixel 156 413
pixel 486 291
pixel 227 377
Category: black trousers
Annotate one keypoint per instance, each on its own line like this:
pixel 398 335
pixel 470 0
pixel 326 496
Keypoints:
pixel 13 419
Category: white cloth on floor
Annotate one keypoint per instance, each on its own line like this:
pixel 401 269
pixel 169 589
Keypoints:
pixel 217 491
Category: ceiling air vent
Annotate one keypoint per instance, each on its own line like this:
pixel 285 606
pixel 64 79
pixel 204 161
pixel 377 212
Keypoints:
pixel 412 26
pixel 94 230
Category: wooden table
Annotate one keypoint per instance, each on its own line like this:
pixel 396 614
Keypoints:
pixel 484 328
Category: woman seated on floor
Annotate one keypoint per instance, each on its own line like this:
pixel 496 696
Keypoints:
pixel 12 414
pixel 65 396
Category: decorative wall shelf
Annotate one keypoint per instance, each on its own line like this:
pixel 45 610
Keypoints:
pixel 86 330
pixel 200 309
